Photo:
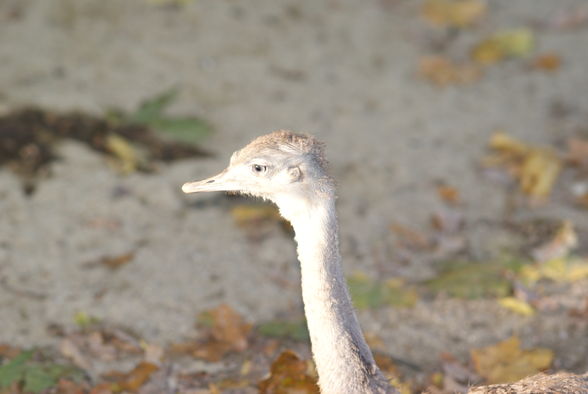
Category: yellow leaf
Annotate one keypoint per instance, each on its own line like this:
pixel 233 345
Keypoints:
pixel 502 45
pixel 558 270
pixel 539 171
pixel 454 13
pixel 127 157
pixel 506 362
pixel 518 306
pixel 536 168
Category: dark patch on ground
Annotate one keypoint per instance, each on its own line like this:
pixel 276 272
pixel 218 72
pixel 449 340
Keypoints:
pixel 28 137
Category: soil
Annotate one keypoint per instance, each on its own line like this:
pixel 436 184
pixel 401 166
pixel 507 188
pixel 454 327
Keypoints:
pixel 345 71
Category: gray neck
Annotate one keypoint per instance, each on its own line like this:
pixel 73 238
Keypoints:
pixel 343 360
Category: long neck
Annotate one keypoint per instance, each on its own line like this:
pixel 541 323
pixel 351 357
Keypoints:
pixel 343 360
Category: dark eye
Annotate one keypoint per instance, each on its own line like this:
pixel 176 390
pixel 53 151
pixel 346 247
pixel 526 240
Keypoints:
pixel 259 168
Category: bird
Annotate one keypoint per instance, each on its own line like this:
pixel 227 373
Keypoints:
pixel 290 170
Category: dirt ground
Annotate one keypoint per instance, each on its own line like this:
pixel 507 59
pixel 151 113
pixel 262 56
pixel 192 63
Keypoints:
pixel 345 71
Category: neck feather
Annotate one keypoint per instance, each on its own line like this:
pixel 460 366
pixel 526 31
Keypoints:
pixel 343 360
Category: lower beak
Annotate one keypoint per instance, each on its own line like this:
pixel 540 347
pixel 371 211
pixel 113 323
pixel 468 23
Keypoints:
pixel 213 184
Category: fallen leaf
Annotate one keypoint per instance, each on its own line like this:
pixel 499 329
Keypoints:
pixel 517 306
pixel 448 194
pixel 560 246
pixel 289 374
pixel 225 331
pixel 558 270
pixel 8 351
pixel 137 377
pixel 442 71
pixel 536 168
pixel 127 157
pixel 547 62
pixel 471 280
pixel 83 320
pixel 369 294
pixel 454 13
pixel 229 327
pixel 410 238
pixel 116 262
pixel 506 362
pixel 503 45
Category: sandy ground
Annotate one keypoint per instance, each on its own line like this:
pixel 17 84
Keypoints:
pixel 343 70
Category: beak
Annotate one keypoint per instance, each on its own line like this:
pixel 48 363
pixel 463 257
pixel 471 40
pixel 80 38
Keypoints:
pixel 220 182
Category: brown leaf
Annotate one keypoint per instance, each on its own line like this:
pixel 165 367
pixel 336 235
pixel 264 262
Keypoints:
pixel 226 331
pixel 116 262
pixel 506 362
pixel 449 194
pixel 8 351
pixel 134 379
pixel 410 238
pixel 442 71
pixel 289 374
pixel 547 62
pixel 229 327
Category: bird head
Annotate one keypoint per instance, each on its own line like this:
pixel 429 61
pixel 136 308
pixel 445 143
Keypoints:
pixel 281 166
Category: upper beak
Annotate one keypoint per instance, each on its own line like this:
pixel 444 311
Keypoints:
pixel 215 183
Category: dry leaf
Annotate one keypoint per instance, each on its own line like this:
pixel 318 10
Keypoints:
pixel 136 378
pixel 410 238
pixel 536 168
pixel 8 351
pixel 517 306
pixel 289 374
pixel 506 362
pixel 226 331
pixel 449 194
pixel 547 62
pixel 454 13
pixel 558 270
pixel 503 45
pixel 563 242
pixel 229 327
pixel 117 261
pixel 442 71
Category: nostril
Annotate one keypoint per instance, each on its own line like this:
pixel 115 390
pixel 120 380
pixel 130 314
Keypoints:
pixel 210 181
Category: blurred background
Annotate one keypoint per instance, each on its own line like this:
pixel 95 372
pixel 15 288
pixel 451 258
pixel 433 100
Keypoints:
pixel 457 132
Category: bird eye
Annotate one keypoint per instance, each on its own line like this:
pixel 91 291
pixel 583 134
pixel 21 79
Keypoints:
pixel 259 168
